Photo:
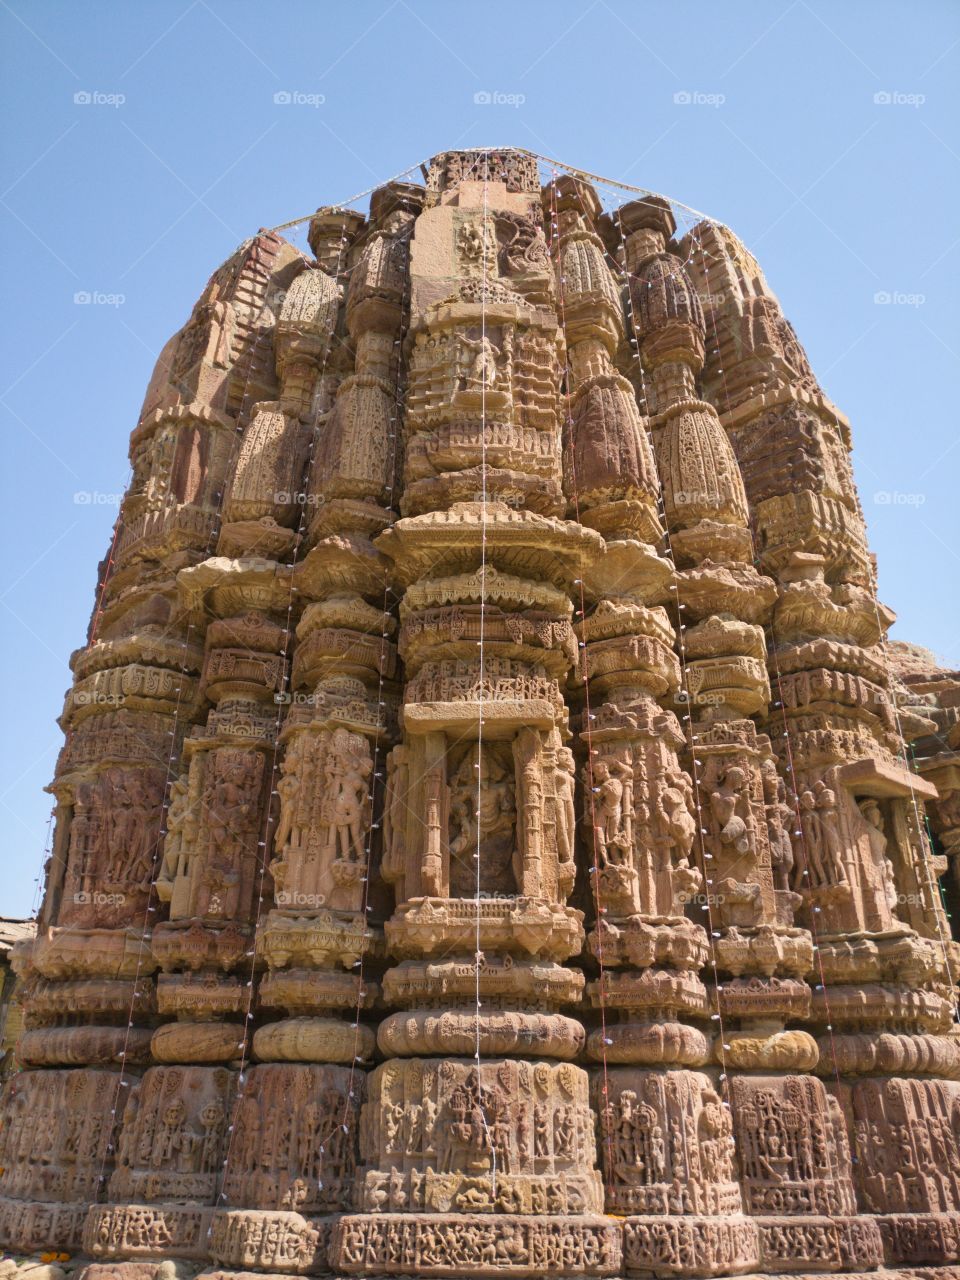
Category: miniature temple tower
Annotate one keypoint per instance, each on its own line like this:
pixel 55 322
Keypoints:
pixel 486 840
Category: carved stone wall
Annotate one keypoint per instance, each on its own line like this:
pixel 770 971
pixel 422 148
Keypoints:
pixel 485 835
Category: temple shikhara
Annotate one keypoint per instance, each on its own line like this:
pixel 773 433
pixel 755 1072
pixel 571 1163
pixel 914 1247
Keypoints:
pixel 493 834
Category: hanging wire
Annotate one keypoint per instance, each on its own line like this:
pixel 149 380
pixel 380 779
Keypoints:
pixel 381 701
pixel 478 954
pixel 345 204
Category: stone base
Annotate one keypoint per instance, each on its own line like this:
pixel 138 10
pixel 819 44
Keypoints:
pixel 813 1243
pixel 169 1269
pixel 676 943
pixel 172 1270
pixel 30 1226
pixel 778 1051
pixel 195 944
pixel 889 1054
pixel 920 1237
pixel 315 940
pixel 649 1044
pixel 543 1196
pixel 506 982
pixel 147 1231
pixel 272 1240
pixel 92 953
pixel 198 1042
pixel 491 1245
pixel 690 1246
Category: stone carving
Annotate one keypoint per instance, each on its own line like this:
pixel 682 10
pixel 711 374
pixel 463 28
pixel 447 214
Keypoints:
pixel 415 1245
pixel 485 839
pixel 792 1147
pixel 114 836
pixel 666 1143
pixel 507 1138
pixel 324 825
pixel 172 1143
pixel 60 1134
pixel 294 1139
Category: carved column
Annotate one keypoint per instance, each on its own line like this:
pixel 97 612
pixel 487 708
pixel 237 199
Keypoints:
pixel 666 1148
pixel 339 723
pixel 861 863
pixel 292 1145
pixel 759 959
pixel 475 1157
pixel 90 996
pixel 176 1140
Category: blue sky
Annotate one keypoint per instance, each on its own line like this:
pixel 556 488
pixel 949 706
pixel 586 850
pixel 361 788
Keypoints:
pixel 142 142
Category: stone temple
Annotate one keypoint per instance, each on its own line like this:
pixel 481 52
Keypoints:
pixel 486 837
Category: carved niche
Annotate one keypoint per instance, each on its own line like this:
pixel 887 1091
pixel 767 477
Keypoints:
pixel 326 808
pixel 114 834
pixel 507 1137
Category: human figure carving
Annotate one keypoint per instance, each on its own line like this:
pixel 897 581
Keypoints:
pixel 609 811
pixel 350 819
pixel 873 817
pixel 829 831
pixel 724 801
pixel 180 827
pixel 779 818
pixel 483 805
pixel 288 787
pixel 566 816
pixel 482 369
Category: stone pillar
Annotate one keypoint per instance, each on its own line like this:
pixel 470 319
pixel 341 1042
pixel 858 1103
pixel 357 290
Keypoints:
pixel 477 1137
pixel 860 865
pixel 342 710
pixel 291 1151
pixel 90 996
pixel 666 1143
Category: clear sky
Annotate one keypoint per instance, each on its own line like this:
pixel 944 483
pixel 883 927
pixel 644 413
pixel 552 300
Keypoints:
pixel 143 141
